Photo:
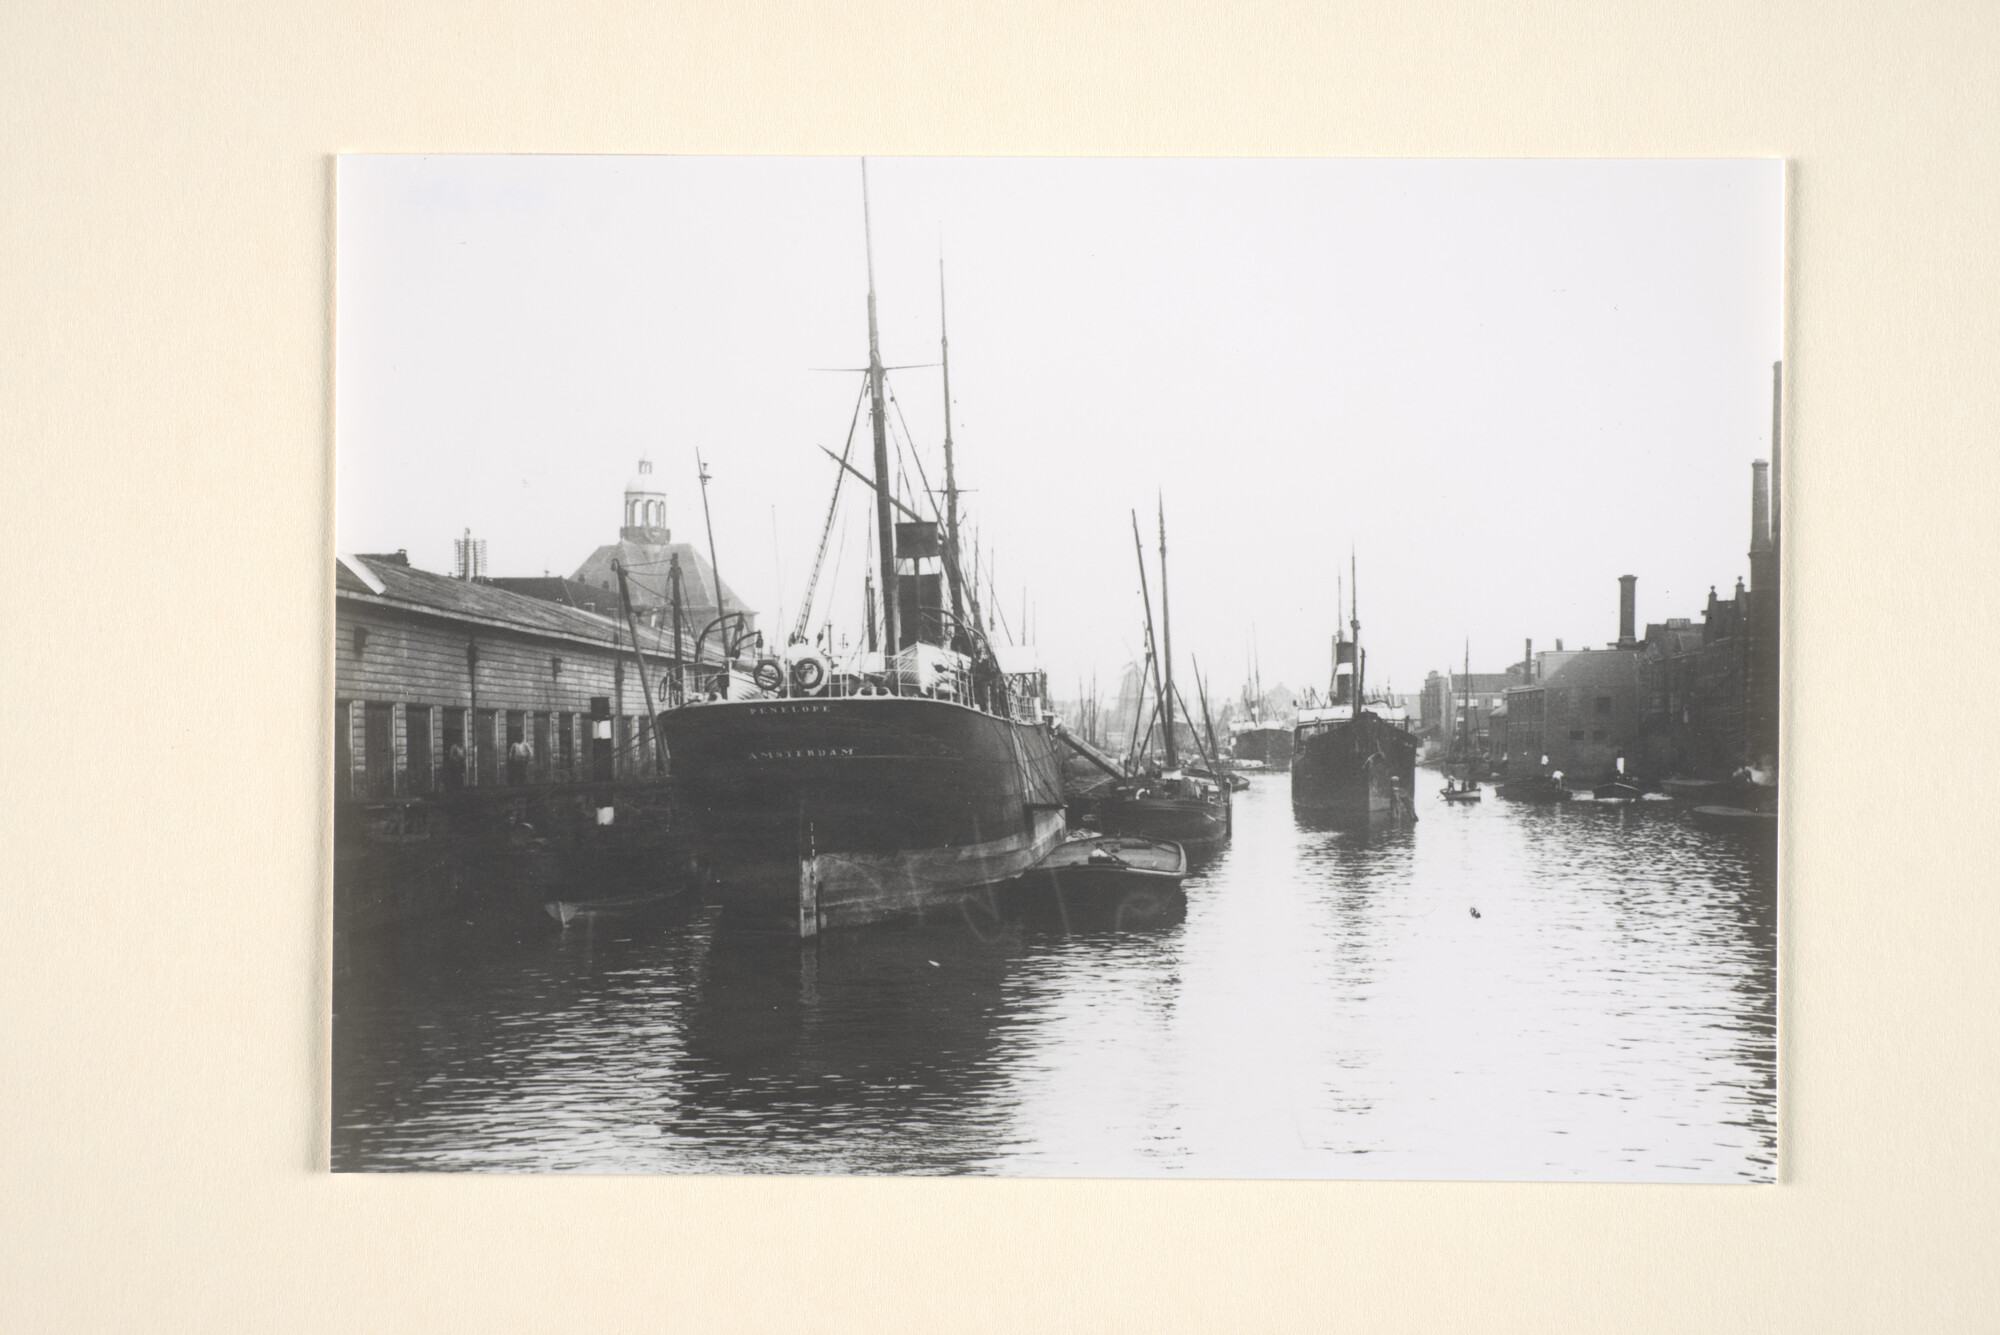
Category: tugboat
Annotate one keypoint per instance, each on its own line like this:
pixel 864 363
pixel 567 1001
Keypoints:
pixel 1620 789
pixel 1461 788
pixel 1352 763
pixel 1188 806
pixel 890 786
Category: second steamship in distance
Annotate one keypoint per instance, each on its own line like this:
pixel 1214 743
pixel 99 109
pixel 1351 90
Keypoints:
pixel 1352 762
pixel 1259 739
pixel 893 781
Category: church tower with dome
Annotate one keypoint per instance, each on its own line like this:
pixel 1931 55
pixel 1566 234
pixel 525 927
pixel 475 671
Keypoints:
pixel 645 509
pixel 646 550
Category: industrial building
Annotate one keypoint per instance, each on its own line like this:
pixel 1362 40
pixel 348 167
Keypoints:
pixel 1686 701
pixel 443 683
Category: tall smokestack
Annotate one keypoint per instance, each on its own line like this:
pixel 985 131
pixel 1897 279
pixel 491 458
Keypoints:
pixel 1760 507
pixel 1777 435
pixel 1527 660
pixel 1628 611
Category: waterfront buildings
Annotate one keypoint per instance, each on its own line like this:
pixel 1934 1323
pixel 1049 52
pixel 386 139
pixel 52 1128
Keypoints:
pixel 1457 707
pixel 444 683
pixel 1581 714
pixel 1687 700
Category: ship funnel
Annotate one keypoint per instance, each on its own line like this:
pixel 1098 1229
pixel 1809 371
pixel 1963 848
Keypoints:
pixel 1628 611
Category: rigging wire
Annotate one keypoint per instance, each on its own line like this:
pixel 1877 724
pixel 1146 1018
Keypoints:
pixel 832 509
pixel 839 555
pixel 931 497
pixel 993 587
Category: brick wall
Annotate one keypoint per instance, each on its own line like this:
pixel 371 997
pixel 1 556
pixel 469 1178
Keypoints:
pixel 1589 711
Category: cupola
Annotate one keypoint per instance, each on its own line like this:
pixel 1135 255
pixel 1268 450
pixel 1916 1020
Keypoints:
pixel 645 507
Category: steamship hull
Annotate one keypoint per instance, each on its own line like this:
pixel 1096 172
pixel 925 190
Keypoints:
pixel 841 812
pixel 1269 747
pixel 1343 770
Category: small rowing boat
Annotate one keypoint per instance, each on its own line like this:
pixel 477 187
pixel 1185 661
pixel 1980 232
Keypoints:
pixel 1456 790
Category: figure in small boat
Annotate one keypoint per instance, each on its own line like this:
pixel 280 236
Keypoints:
pixel 1459 785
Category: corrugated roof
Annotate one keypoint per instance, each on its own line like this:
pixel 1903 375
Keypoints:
pixel 555 589
pixel 481 602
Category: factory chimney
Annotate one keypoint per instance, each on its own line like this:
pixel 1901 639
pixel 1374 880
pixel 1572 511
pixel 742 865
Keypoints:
pixel 1527 660
pixel 1627 611
pixel 1760 507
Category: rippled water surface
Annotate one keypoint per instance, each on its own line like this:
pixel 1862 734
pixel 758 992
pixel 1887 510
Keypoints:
pixel 1330 1007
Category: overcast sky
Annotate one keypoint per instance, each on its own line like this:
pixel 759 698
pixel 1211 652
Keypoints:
pixel 1503 383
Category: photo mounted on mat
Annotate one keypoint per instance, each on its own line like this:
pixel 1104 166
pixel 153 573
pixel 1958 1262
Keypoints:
pixel 1089 668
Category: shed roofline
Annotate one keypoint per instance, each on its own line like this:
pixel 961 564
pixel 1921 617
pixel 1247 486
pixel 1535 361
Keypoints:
pixel 359 569
pixel 656 650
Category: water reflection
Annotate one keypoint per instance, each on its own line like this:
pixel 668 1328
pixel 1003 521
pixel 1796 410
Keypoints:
pixel 872 1051
pixel 1329 1006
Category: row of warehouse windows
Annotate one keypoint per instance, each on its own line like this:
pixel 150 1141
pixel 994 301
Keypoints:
pixel 388 749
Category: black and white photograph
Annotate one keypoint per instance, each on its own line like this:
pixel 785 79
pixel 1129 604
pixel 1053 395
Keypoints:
pixel 1057 667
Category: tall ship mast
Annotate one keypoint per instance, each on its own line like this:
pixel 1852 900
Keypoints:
pixel 1186 805
pixel 1353 760
pixel 1460 786
pixel 892 782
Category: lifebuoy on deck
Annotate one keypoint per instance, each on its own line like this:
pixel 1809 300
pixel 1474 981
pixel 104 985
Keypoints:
pixel 769 674
pixel 809 675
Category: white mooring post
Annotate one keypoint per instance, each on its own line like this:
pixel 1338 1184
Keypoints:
pixel 808 890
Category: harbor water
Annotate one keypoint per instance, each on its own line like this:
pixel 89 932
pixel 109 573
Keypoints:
pixel 1331 1006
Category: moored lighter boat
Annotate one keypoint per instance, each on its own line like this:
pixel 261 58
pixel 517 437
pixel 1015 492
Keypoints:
pixel 1088 863
pixel 1739 819
pixel 1130 881
pixel 1550 787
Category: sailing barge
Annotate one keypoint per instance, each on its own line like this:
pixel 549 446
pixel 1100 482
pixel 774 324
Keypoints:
pixel 1350 762
pixel 1182 805
pixel 1460 788
pixel 892 786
